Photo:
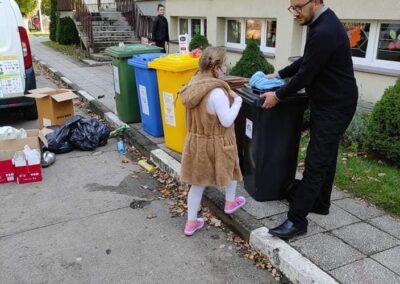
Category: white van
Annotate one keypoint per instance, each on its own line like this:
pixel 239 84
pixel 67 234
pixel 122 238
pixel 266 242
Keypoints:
pixel 16 70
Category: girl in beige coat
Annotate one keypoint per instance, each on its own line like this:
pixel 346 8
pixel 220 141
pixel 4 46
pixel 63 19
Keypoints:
pixel 210 156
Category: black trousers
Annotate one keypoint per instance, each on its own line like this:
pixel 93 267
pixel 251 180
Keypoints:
pixel 161 44
pixel 314 190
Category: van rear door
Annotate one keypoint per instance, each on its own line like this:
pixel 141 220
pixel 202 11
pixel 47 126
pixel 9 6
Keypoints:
pixel 12 71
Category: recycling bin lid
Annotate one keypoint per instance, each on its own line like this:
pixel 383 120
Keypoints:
pixel 175 63
pixel 127 50
pixel 249 96
pixel 141 60
pixel 253 97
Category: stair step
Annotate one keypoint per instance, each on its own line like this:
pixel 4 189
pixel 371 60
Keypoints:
pixel 112 28
pixel 110 23
pixel 105 44
pixel 113 39
pixel 112 33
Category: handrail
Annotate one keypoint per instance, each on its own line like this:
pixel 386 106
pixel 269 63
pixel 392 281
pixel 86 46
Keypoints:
pixel 84 16
pixel 137 20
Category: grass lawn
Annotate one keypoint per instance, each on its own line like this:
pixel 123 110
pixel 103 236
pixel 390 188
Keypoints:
pixel 70 50
pixel 44 33
pixel 372 180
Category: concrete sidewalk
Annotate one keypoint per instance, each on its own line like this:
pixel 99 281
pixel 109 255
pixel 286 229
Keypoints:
pixel 356 243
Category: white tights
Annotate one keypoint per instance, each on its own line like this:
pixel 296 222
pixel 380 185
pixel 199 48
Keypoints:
pixel 196 193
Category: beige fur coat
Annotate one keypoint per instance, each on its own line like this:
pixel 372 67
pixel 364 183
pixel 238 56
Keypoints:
pixel 210 155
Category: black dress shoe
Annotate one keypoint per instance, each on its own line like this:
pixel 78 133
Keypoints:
pixel 287 230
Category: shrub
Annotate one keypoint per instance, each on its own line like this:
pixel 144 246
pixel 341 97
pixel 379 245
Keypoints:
pixel 66 31
pixel 356 133
pixel 198 41
pixel 53 20
pixel 252 60
pixel 384 126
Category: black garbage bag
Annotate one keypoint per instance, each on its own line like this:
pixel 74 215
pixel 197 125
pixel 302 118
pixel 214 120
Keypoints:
pixel 88 134
pixel 58 139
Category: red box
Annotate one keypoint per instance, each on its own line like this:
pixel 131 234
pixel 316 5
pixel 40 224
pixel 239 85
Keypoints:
pixel 28 173
pixel 7 171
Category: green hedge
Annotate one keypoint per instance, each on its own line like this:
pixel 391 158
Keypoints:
pixel 383 134
pixel 198 41
pixel 252 60
pixel 53 20
pixel 66 31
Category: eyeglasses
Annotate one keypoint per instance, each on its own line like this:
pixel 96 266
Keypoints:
pixel 297 9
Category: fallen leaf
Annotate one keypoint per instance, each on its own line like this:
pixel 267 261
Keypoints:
pixel 151 216
pixel 125 161
pixel 381 174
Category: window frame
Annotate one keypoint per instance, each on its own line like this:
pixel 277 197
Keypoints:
pixel 203 21
pixel 242 45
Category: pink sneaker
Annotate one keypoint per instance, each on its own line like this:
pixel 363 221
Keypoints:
pixel 190 229
pixel 234 205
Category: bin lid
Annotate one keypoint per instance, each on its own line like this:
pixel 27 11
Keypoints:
pixel 141 60
pixel 253 97
pixel 127 50
pixel 175 63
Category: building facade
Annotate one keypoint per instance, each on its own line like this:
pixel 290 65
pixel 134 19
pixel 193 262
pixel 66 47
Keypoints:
pixel 373 28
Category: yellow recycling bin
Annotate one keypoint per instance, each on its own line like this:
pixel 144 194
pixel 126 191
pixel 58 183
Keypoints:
pixel 173 71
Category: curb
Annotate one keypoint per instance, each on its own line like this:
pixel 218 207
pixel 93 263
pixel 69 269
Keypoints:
pixel 290 262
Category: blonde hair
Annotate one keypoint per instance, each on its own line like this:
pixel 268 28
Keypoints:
pixel 211 59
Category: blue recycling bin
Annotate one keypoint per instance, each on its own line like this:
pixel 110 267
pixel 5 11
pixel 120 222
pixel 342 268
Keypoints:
pixel 147 90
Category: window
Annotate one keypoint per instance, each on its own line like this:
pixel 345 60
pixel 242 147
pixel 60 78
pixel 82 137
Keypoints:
pixel 389 42
pixel 195 27
pixel 183 26
pixel 253 31
pixel 238 32
pixel 374 43
pixel 358 34
pixel 192 26
pixel 271 34
pixel 234 34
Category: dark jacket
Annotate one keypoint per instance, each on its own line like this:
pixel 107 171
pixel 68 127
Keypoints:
pixel 160 29
pixel 326 68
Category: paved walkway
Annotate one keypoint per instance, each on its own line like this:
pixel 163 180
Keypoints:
pixel 355 243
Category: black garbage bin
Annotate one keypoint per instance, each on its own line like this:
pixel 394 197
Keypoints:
pixel 268 143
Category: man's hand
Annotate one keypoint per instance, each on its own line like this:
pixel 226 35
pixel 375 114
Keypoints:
pixel 272 75
pixel 270 100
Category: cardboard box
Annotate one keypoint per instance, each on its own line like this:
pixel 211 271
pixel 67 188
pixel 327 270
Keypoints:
pixel 7 152
pixel 54 105
pixel 27 169
pixel 6 171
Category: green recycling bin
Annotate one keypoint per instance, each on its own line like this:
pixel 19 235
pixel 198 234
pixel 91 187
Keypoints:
pixel 126 99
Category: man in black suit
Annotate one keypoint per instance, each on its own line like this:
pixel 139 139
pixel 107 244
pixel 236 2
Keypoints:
pixel 326 72
pixel 160 32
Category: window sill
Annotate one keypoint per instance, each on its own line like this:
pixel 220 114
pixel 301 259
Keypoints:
pixel 240 51
pixel 368 69
pixel 377 70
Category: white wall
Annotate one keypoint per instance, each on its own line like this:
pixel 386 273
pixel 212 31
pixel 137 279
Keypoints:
pixel 290 39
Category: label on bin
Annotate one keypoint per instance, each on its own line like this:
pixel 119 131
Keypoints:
pixel 116 80
pixel 143 100
pixel 169 109
pixel 249 128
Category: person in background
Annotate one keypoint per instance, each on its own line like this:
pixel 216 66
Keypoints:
pixel 326 71
pixel 160 32
pixel 210 155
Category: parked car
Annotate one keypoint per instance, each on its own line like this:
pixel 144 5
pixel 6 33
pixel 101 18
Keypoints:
pixel 17 75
